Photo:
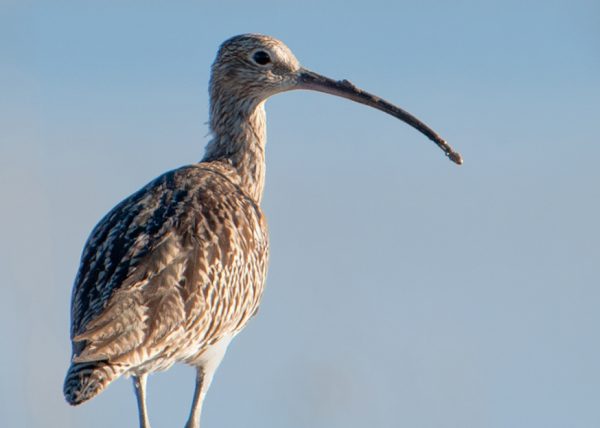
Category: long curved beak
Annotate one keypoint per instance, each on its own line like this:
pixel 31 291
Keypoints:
pixel 307 79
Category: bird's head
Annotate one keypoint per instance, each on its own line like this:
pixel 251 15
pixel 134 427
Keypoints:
pixel 254 66
pixel 249 68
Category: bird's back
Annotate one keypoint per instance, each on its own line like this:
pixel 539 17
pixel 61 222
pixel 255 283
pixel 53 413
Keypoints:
pixel 168 272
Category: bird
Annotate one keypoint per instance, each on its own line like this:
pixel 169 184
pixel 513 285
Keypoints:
pixel 176 270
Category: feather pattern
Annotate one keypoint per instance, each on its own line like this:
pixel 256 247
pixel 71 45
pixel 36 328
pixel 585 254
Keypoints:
pixel 169 271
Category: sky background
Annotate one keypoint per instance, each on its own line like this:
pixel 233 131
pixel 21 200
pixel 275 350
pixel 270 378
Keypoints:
pixel 402 290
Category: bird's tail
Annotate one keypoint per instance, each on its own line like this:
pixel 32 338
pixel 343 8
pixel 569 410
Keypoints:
pixel 86 380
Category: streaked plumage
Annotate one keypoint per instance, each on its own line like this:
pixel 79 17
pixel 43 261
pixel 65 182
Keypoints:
pixel 177 269
pixel 184 258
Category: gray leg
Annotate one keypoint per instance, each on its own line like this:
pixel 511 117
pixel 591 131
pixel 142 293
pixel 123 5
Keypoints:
pixel 199 394
pixel 139 383
pixel 206 366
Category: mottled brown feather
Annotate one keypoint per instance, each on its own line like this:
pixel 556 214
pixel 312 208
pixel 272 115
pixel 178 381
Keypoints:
pixel 190 286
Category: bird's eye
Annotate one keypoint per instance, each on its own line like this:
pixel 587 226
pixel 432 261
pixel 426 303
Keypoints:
pixel 261 58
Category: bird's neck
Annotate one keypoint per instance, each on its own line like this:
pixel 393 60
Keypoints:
pixel 239 137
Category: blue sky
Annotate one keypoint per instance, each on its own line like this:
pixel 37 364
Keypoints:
pixel 403 290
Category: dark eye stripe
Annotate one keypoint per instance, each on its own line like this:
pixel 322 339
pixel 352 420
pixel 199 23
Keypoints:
pixel 261 58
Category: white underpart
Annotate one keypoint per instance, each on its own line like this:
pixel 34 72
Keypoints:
pixel 211 358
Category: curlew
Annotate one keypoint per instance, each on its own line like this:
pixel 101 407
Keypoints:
pixel 177 269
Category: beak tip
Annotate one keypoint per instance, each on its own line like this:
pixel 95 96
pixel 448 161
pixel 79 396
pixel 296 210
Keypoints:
pixel 455 157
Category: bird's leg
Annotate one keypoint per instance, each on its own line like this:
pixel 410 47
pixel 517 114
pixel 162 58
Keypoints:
pixel 206 366
pixel 199 393
pixel 139 383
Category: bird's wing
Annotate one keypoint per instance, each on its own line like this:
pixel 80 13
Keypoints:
pixel 161 261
